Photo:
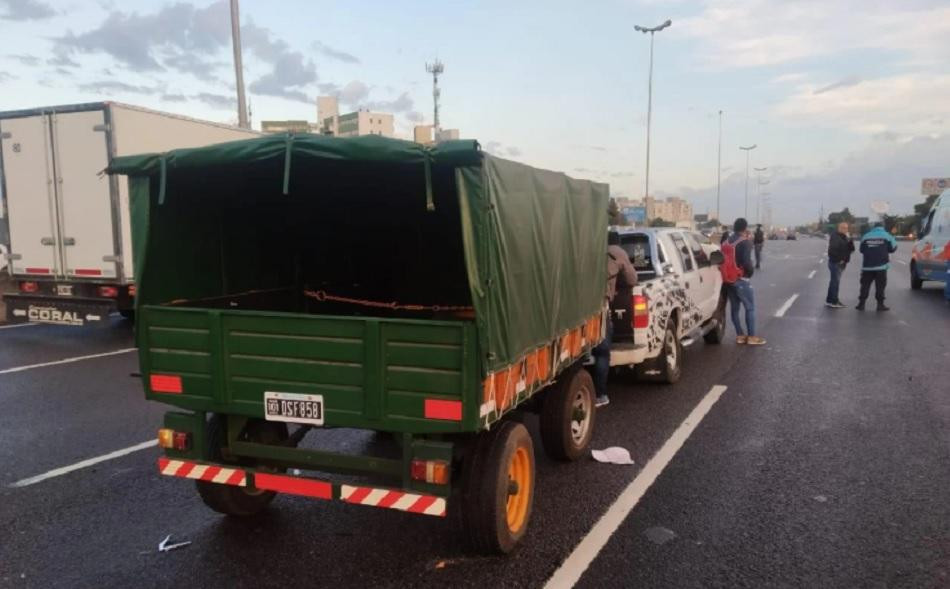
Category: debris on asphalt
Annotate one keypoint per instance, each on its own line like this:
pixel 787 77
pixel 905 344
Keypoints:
pixel 659 535
pixel 820 498
pixel 612 455
pixel 164 546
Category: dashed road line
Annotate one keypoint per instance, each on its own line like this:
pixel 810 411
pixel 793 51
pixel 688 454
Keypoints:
pixel 786 306
pixel 66 361
pixel 812 274
pixel 570 571
pixel 83 464
pixel 902 262
pixel 15 325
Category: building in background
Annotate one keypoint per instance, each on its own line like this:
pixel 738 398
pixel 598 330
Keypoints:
pixel 288 126
pixel 447 135
pixel 361 122
pixel 672 209
pixel 423 134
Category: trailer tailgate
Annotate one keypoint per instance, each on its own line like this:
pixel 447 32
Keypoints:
pixel 383 374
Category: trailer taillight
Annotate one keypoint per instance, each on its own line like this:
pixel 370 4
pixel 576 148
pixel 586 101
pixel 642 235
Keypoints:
pixel 29 286
pixel 641 311
pixel 430 471
pixel 109 292
pixel 131 290
pixel 169 438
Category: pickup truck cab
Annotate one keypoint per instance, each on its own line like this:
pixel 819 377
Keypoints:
pixel 677 296
pixel 931 255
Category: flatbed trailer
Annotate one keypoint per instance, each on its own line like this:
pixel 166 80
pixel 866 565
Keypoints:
pixel 294 283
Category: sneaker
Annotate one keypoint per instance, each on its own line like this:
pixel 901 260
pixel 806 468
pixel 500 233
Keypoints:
pixel 839 305
pixel 831 305
pixel 602 401
pixel 741 339
pixel 860 306
pixel 754 340
pixel 883 307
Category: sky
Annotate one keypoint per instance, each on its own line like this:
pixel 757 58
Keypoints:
pixel 846 100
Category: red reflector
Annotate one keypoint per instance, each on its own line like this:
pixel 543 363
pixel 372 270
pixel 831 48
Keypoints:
pixel 108 292
pixel 87 272
pixel 132 290
pixel 181 440
pixel 449 410
pixel 37 271
pixel 641 311
pixel 165 383
pixel 293 485
pixel 29 286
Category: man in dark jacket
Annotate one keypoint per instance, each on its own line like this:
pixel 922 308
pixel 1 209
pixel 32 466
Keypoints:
pixel 840 248
pixel 758 241
pixel 740 292
pixel 877 245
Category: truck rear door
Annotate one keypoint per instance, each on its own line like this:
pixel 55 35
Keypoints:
pixel 87 227
pixel 29 190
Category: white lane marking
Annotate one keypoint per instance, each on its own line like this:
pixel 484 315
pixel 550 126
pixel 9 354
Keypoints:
pixel 15 325
pixel 83 464
pixel 812 274
pixel 66 361
pixel 570 571
pixel 786 306
pixel 902 262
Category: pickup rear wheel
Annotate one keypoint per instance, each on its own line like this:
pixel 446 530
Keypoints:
pixel 670 362
pixel 497 493
pixel 228 499
pixel 567 415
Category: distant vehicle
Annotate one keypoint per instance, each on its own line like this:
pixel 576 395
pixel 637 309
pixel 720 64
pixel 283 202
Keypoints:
pixel 791 237
pixel 70 236
pixel 676 297
pixel 931 253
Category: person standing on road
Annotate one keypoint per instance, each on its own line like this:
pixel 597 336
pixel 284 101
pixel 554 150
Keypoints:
pixel 877 245
pixel 840 248
pixel 737 250
pixel 758 242
pixel 618 267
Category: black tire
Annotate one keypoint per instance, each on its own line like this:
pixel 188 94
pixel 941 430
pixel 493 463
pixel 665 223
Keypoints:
pixel 717 333
pixel 670 362
pixel 228 499
pixel 916 283
pixel 486 488
pixel 567 415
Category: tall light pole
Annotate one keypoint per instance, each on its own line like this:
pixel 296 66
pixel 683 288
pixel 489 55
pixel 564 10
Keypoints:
pixel 238 64
pixel 719 169
pixel 747 150
pixel 652 31
pixel 758 190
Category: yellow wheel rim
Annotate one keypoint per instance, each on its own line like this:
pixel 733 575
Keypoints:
pixel 519 493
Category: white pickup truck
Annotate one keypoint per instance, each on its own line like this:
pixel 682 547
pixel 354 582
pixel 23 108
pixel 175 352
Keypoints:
pixel 677 297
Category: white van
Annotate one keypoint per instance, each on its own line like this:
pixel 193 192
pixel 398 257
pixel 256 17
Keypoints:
pixel 932 250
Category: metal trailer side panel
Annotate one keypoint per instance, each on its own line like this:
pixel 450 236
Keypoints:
pixel 136 130
pixel 80 153
pixel 30 199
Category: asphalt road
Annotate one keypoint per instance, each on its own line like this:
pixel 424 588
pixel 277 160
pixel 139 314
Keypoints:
pixel 826 462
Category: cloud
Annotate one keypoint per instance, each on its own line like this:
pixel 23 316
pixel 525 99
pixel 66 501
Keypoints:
pixel 908 104
pixel 6 77
pixel 174 98
pixel 27 60
pixel 751 33
pixel 353 93
pixel 195 64
pixel 334 53
pixel 290 71
pixel 135 39
pixel 414 116
pixel 513 152
pixel 26 10
pixel 218 101
pixel 112 87
pixel 843 83
pixel 403 103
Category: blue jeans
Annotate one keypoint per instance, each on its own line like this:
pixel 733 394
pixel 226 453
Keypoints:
pixel 835 268
pixel 741 292
pixel 601 355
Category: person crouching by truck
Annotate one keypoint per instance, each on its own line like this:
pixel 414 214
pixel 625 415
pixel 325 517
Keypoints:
pixel 618 268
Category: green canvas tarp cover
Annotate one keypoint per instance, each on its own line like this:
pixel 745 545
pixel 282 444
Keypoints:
pixel 534 241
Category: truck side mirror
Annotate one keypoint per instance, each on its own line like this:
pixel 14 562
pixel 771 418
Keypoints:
pixel 716 258
pixel 667 268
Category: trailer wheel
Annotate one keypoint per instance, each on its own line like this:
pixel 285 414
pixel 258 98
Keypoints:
pixel 497 492
pixel 228 499
pixel 567 415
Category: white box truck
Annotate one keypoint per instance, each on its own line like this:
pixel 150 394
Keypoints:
pixel 69 247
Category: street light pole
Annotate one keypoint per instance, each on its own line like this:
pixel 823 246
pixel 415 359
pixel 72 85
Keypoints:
pixel 719 169
pixel 747 150
pixel 238 64
pixel 652 31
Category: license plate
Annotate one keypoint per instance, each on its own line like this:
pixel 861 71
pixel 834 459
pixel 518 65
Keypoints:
pixel 64 290
pixel 293 408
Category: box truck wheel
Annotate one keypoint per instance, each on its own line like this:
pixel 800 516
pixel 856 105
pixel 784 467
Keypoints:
pixel 567 415
pixel 228 499
pixel 497 492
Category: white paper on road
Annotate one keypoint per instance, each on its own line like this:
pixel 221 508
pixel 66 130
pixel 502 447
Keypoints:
pixel 612 455
pixel 164 546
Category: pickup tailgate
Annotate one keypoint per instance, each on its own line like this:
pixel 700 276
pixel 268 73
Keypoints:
pixel 384 374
